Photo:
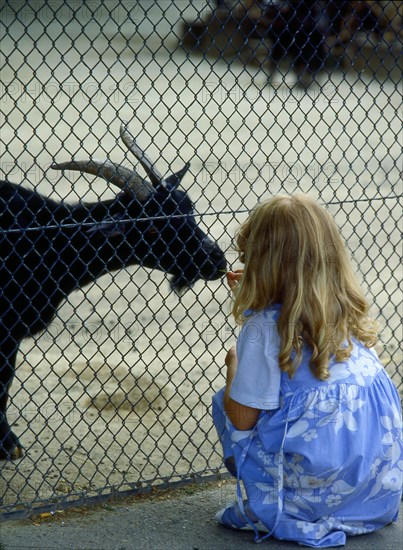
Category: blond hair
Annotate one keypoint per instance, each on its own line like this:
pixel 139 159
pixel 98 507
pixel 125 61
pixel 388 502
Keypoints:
pixel 294 256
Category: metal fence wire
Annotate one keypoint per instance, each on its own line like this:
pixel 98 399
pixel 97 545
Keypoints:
pixel 261 97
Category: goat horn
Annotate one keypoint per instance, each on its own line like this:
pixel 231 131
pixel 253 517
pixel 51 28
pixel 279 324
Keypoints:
pixel 150 168
pixel 112 173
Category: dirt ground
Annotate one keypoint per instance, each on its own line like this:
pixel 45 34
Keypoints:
pixel 179 520
pixel 117 391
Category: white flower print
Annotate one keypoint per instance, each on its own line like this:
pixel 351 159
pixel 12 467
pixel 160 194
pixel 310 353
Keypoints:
pixel 342 488
pixel 367 370
pixel 358 528
pixel 333 500
pixel 298 428
pixel 306 526
pixel 328 409
pixel 315 530
pixel 294 503
pixel 374 467
pixel 338 371
pixel 378 485
pixel 309 435
pixel 393 435
pixel 267 459
pixel 238 435
pixel 345 414
pixel 312 482
pixel 293 469
pixel 393 480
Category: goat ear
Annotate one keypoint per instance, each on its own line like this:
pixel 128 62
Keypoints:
pixel 174 180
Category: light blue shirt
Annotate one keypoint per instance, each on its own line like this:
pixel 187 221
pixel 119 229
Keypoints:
pixel 258 377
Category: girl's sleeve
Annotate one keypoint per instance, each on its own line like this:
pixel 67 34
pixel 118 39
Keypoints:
pixel 257 380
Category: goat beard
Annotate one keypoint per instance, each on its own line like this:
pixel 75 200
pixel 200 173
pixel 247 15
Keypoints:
pixel 179 284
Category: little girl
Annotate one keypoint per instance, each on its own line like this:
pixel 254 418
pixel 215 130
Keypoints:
pixel 309 421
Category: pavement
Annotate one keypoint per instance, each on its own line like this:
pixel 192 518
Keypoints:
pixel 180 519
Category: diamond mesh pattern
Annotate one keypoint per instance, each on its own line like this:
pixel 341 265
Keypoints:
pixel 261 97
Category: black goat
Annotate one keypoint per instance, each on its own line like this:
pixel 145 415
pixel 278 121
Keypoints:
pixel 48 249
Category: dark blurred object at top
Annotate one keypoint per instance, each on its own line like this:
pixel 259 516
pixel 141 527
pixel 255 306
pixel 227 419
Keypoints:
pixel 310 34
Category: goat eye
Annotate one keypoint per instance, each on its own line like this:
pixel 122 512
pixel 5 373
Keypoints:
pixel 152 231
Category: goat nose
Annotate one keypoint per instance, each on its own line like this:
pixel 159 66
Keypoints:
pixel 218 257
pixel 210 245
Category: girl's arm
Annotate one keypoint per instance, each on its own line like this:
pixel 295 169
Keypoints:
pixel 241 416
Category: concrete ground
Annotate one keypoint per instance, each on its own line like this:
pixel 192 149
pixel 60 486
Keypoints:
pixel 182 519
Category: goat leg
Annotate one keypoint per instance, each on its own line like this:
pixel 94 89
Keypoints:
pixel 10 447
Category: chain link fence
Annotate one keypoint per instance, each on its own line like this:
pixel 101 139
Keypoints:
pixel 261 97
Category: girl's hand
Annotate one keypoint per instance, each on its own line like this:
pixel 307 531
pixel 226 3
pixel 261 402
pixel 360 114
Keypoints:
pixel 233 278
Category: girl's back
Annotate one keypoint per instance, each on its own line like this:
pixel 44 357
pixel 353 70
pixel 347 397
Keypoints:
pixel 310 421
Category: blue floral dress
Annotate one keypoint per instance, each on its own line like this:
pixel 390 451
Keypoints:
pixel 328 461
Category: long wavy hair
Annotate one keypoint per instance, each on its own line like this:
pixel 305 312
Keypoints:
pixel 294 256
